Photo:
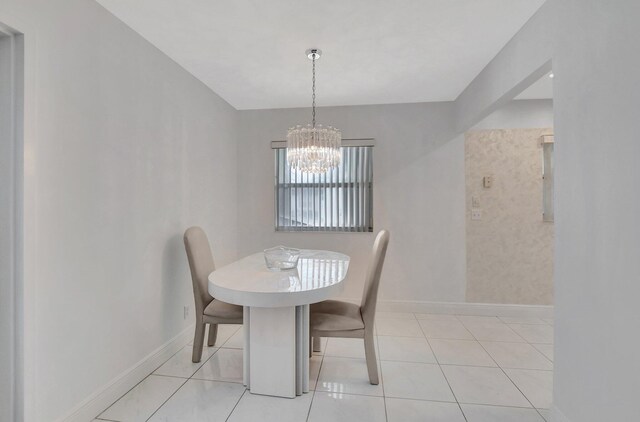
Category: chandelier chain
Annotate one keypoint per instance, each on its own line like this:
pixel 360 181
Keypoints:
pixel 313 96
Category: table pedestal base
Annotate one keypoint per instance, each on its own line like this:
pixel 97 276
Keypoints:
pixel 276 350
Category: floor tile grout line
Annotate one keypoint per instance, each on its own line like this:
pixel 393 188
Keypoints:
pixel 170 376
pixel 414 399
pixel 413 317
pixel 492 341
pixel 236 405
pixel 534 347
pixel 506 375
pixel 432 400
pixel 228 338
pixel 315 387
pixel 497 405
pixel 396 335
pixel 381 376
pixel 507 325
pixel 497 365
pixel 342 393
pixel 494 367
pixel 405 361
pixel 210 380
pixel 535 325
pixel 541 352
pixel 168 398
pixel 438 338
pixel 148 375
pixel 118 399
pixel 502 369
pixel 524 323
pixel 513 382
pixel 442 372
pixel 380 361
pixel 169 358
pixel 541 415
pixel 205 361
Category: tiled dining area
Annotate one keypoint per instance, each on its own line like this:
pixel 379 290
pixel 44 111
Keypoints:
pixel 433 367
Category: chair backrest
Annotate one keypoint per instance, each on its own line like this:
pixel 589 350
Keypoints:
pixel 201 265
pixel 372 281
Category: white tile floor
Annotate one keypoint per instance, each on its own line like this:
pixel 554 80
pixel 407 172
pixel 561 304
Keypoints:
pixel 440 368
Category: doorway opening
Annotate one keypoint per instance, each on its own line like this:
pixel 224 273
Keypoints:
pixel 510 232
pixel 509 201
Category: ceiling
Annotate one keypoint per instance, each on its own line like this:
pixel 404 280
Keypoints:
pixel 251 52
pixel 541 89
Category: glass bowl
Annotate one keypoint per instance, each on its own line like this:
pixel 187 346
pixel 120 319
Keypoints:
pixel 281 258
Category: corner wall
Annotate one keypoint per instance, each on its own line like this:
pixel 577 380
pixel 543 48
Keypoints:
pixel 597 92
pixel 125 151
pixel 593 46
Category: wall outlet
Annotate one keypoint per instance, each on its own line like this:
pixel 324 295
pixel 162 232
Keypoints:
pixel 487 182
pixel 186 312
pixel 476 214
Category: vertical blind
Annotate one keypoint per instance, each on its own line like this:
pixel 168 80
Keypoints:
pixel 339 200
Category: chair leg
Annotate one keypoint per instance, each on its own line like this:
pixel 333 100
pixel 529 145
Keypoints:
pixel 213 334
pixel 317 346
pixel 198 341
pixel 370 354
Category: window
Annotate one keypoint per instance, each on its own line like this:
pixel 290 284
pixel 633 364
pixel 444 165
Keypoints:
pixel 340 200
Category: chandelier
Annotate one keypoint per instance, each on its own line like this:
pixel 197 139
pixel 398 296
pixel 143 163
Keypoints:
pixel 313 148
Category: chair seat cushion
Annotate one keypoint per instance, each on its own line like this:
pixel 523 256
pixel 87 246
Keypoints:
pixel 224 310
pixel 334 315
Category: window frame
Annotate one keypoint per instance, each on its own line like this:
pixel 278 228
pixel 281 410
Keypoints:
pixel 346 143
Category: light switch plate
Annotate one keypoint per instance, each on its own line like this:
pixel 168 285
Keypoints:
pixel 476 214
pixel 475 202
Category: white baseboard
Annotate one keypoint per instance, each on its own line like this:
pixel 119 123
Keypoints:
pixel 97 402
pixel 557 415
pixel 461 308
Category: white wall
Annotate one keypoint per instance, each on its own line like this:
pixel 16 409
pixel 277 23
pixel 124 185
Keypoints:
pixel 418 195
pixel 519 114
pixel 130 150
pixel 593 45
pixel 7 230
pixel 597 92
pixel 419 191
pixel 521 62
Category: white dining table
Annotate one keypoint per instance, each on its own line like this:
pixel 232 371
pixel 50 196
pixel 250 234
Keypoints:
pixel 276 315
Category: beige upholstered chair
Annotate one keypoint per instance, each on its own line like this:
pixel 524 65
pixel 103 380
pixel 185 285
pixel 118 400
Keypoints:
pixel 208 310
pixel 333 318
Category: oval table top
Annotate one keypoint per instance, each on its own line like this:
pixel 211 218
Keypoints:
pixel 248 281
